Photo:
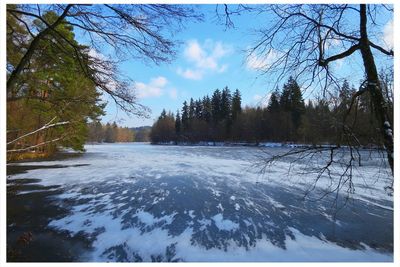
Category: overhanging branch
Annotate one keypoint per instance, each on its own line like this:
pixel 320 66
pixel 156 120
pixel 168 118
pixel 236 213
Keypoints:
pixel 32 47
pixel 348 52
pixel 46 126
pixel 381 49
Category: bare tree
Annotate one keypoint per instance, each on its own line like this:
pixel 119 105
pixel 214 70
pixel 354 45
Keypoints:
pixel 143 32
pixel 303 41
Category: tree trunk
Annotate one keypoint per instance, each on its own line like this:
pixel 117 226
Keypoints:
pixel 375 87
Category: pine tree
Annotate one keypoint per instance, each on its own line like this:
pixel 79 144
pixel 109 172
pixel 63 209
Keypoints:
pixel 207 109
pixel 185 117
pixel 178 123
pixel 55 89
pixel 236 104
pixel 273 104
pixel 108 133
pixel 226 103
pixel 198 109
pixel 192 109
pixel 292 103
pixel 216 106
pixel 163 115
pixel 163 130
pixel 297 103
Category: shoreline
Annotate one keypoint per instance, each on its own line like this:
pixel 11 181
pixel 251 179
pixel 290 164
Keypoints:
pixel 258 144
pixel 67 153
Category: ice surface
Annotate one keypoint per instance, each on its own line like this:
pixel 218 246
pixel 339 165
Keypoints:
pixel 237 206
pixel 224 225
pixel 149 203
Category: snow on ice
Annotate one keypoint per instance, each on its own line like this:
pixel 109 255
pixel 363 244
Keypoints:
pixel 138 202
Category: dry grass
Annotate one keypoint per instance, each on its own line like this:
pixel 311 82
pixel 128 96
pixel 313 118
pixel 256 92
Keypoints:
pixel 26 155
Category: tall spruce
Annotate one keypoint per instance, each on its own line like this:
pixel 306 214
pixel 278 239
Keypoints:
pixel 273 104
pixel 207 109
pixel 178 123
pixel 198 109
pixel 192 109
pixel 292 103
pixel 226 103
pixel 185 117
pixel 216 106
pixel 236 104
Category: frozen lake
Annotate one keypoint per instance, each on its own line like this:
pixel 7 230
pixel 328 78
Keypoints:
pixel 138 202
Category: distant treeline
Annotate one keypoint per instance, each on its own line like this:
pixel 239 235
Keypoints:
pixel 111 133
pixel 286 118
pixel 142 134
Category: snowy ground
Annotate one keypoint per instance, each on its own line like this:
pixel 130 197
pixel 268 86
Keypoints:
pixel 137 202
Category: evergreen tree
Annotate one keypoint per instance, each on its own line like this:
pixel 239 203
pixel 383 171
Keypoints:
pixel 163 130
pixel 226 106
pixel 163 115
pixel 292 103
pixel 273 104
pixel 226 103
pixel 236 104
pixel 216 106
pixel 53 90
pixel 185 117
pixel 95 132
pixel 108 133
pixel 198 109
pixel 286 118
pixel 115 133
pixel 192 109
pixel 297 103
pixel 207 109
pixel 178 123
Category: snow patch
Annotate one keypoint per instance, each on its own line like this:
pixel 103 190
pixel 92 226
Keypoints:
pixel 219 206
pixel 224 225
pixel 148 219
pixel 209 167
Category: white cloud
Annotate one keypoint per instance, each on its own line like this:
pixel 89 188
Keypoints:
pixel 159 81
pixel 388 34
pixel 191 74
pixel 220 50
pixel 193 51
pixel 260 62
pixel 145 90
pixel 154 88
pixel 204 57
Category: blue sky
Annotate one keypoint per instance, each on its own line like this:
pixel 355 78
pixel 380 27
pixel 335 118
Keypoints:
pixel 209 57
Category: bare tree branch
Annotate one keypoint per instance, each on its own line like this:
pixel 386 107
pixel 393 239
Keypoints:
pixel 32 47
pixel 348 52
pixel 381 49
pixel 138 30
pixel 35 146
pixel 44 127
